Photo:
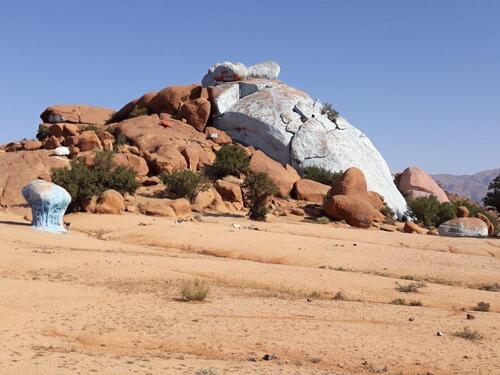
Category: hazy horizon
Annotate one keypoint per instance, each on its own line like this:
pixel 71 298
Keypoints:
pixel 421 79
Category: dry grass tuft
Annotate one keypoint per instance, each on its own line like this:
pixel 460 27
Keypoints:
pixel 469 334
pixel 410 288
pixel 482 306
pixel 194 290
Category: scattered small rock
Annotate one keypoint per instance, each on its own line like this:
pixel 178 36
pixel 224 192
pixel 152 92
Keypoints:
pixel 269 357
pixel 411 319
pixel 439 333
pixel 470 316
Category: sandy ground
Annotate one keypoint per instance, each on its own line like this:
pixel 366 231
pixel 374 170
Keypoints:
pixel 105 299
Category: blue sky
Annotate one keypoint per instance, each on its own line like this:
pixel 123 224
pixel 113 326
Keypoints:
pixel 421 78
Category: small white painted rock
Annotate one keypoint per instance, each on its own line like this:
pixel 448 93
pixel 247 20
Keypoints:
pixel 62 151
pixel 266 69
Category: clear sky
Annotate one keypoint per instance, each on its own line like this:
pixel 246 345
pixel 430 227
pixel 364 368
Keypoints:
pixel 421 77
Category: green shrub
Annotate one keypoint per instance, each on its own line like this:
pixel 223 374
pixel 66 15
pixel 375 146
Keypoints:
pixel 121 140
pixel 492 198
pixel 387 212
pixel 42 133
pixel 83 182
pixel 194 290
pixel 138 111
pixel 330 112
pixel 184 183
pixel 321 175
pixel 257 189
pixel 430 212
pixel 231 160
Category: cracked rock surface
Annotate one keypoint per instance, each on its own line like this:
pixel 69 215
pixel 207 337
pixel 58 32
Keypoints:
pixel 287 125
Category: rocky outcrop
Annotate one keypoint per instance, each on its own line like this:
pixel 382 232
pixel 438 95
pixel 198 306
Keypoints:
pixel 288 125
pixel 78 114
pixel 163 146
pixel 464 227
pixel 489 224
pixel 196 113
pixel 350 200
pixel 17 169
pixel 228 71
pixel 414 182
pixel 48 203
pixel 311 191
pixel 266 70
pixel 132 161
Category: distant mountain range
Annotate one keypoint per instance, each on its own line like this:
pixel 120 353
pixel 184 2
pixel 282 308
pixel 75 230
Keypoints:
pixel 473 186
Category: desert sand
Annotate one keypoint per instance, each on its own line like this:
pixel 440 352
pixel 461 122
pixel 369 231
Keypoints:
pixel 104 298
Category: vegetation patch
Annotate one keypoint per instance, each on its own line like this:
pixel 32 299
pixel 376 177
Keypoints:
pixel 184 183
pixel 138 111
pixel 411 287
pixel 430 212
pixel 83 182
pixel 469 334
pixel 194 290
pixel 482 306
pixel 330 112
pixel 230 160
pixel 257 190
pixel 321 175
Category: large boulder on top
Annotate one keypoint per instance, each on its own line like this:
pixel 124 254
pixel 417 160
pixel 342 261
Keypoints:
pixel 464 227
pixel 288 125
pixel 19 168
pixel 48 203
pixel 266 70
pixel 77 114
pixel 311 191
pixel 414 179
pixel 350 200
pixel 283 176
pixel 170 99
pixel 228 71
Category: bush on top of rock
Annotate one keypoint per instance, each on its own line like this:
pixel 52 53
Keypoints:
pixel 83 182
pixel 321 175
pixel 492 198
pixel 231 160
pixel 184 183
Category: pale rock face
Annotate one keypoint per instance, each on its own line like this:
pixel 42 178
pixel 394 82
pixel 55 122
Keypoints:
pixel 464 227
pixel 62 151
pixel 48 203
pixel 224 96
pixel 287 125
pixel 266 69
pixel 414 179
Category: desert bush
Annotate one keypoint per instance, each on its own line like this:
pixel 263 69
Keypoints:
pixel 321 175
pixel 194 290
pixel 83 182
pixel 492 198
pixel 89 127
pixel 489 287
pixel 257 189
pixel 42 133
pixel 207 371
pixel 410 288
pixel 403 302
pixel 322 220
pixel 138 111
pixel 387 212
pixel 482 306
pixel 469 334
pixel 230 160
pixel 330 112
pixel 120 141
pixel 430 212
pixel 184 183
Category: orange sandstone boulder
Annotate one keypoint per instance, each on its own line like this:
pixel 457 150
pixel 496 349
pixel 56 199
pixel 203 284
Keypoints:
pixel 196 113
pixel 77 114
pixel 350 200
pixel 491 227
pixel 88 141
pixel 311 191
pixel 132 161
pixel 110 202
pixel 170 99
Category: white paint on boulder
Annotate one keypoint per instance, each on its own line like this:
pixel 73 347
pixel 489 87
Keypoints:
pixel 62 151
pixel 224 96
pixel 287 125
pixel 464 227
pixel 228 72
